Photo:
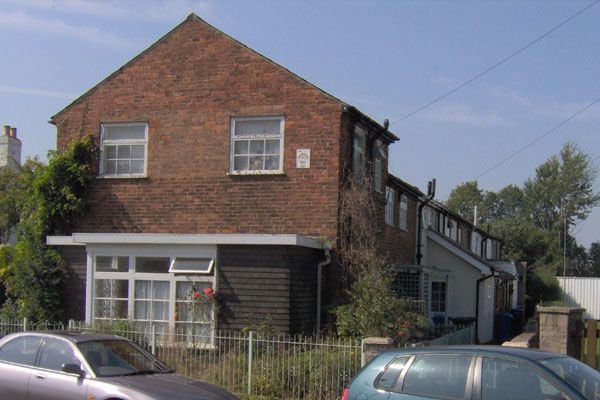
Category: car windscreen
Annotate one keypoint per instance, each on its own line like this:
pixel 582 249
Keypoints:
pixel 120 357
pixel 582 377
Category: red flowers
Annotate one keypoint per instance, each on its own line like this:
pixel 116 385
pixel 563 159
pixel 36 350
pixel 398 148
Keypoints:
pixel 196 294
pixel 210 293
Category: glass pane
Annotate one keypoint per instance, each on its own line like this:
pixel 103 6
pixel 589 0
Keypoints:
pixel 256 163
pixel 240 163
pixel 142 289
pixel 120 289
pixel 124 132
pixel 110 167
pixel 119 309
pixel 137 166
pixel 192 264
pixel 102 309
pixel 112 264
pixel 438 376
pixel 110 152
pixel 122 166
pixel 124 151
pixel 155 265
pixel 21 350
pixel 161 311
pixel 257 127
pixel 271 146
pixel 102 288
pixel 183 290
pixel 160 290
pixel 503 379
pixel 138 151
pixel 257 147
pixel 390 375
pixel 142 309
pixel 272 162
pixel 55 353
pixel 183 311
pixel 240 147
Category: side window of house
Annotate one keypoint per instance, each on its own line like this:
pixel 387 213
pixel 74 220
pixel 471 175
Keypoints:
pixel 378 155
pixel 403 212
pixel 438 296
pixel 359 145
pixel 257 145
pixel 438 376
pixel 123 149
pixel 389 205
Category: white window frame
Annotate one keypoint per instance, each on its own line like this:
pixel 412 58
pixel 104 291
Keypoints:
pixel 445 293
pixel 131 276
pixel 104 142
pixel 403 212
pixel 390 193
pixel 234 139
pixel 377 173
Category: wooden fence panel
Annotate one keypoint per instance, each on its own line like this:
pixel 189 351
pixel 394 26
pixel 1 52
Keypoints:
pixel 591 343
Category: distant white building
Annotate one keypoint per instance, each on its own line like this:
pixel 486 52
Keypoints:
pixel 10 148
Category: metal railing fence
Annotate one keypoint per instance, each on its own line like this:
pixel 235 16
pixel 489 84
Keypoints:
pixel 246 363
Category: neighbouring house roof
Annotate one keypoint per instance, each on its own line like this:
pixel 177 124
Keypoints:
pixel 461 253
pixel 506 266
pixel 445 209
pixel 82 239
pixel 193 18
pixel 405 185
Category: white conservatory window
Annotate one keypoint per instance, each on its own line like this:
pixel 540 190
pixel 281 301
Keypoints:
pixel 257 145
pixel 123 148
pixel 172 294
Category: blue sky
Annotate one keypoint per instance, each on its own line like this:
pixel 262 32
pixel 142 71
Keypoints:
pixel 387 58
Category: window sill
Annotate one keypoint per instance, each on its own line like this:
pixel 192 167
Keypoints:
pixel 122 177
pixel 255 173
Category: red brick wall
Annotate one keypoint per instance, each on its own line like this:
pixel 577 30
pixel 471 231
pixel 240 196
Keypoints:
pixel 188 86
pixel 399 245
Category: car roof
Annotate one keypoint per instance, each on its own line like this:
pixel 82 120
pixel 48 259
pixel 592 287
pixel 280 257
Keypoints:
pixel 75 337
pixel 514 352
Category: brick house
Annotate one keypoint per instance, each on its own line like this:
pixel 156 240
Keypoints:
pixel 218 168
pixel 221 169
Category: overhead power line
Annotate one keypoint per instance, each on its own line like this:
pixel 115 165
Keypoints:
pixel 537 139
pixel 496 65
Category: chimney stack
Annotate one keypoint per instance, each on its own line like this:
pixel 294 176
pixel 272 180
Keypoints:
pixel 6 130
pixel 13 132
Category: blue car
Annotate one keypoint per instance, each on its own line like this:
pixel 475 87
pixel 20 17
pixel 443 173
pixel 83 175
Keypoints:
pixel 473 373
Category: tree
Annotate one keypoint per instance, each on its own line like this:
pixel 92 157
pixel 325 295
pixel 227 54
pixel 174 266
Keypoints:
pixel 508 202
pixel 53 196
pixel 464 198
pixel 594 256
pixel 563 189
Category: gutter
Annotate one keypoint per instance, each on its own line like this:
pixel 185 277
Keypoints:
pixel 483 278
pixel 320 266
pixel 430 196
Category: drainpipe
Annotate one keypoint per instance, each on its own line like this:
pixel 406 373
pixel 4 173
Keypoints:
pixel 320 266
pixel 430 196
pixel 483 278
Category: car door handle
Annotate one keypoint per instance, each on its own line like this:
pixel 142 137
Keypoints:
pixel 40 377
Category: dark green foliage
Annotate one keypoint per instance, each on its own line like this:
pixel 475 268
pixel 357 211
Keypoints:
pixel 375 309
pixel 50 198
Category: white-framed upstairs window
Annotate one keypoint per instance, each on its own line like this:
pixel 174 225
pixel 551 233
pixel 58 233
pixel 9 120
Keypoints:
pixel 390 193
pixel 257 145
pixel 403 212
pixel 123 149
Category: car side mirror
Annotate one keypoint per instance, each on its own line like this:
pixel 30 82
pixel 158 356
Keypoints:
pixel 73 369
